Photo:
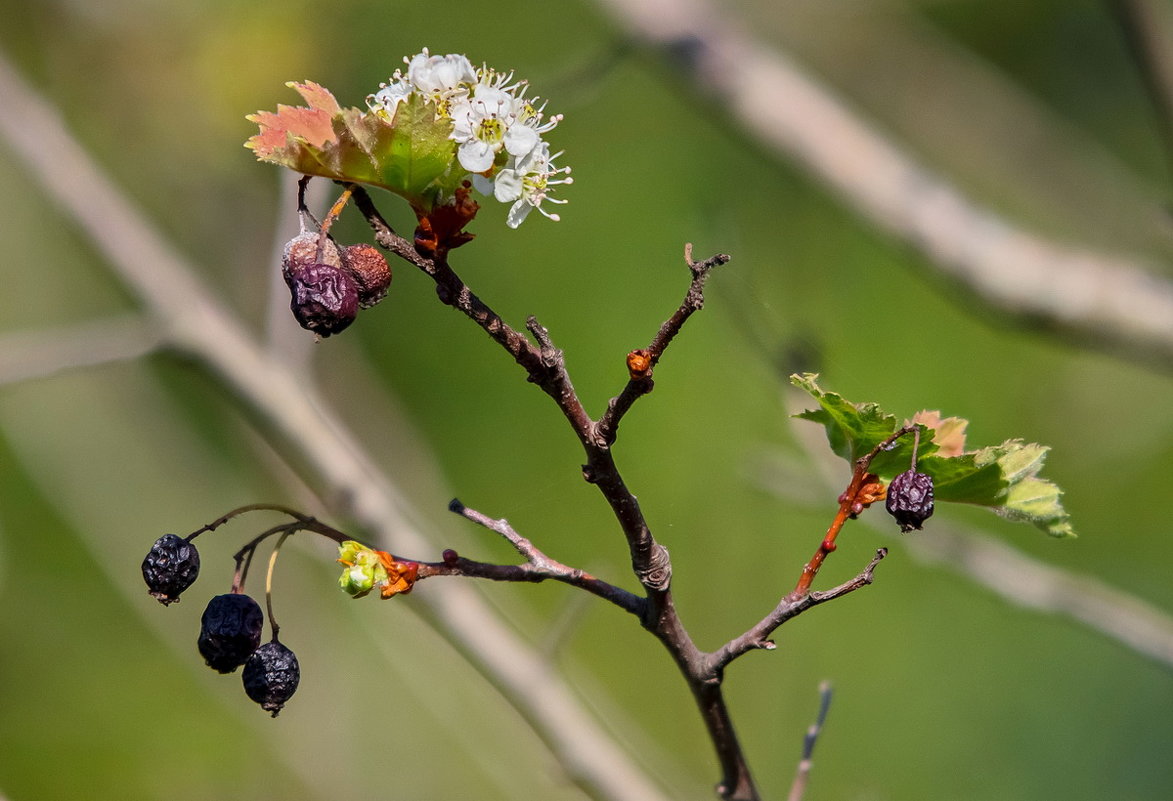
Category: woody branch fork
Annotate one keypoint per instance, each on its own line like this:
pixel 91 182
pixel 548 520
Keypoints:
pixel 545 366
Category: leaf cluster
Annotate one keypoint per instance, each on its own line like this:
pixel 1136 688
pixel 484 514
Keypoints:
pixel 1003 478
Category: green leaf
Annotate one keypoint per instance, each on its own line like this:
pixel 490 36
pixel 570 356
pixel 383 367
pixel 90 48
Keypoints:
pixel 1003 478
pixel 855 429
pixel 411 155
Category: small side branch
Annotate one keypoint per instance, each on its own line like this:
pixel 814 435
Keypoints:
pixel 641 381
pixel 538 566
pixel 791 606
pixel 544 365
pixel 861 491
pixel 798 789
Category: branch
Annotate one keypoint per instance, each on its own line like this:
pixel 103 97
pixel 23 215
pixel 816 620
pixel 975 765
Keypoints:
pixel 798 789
pixel 195 322
pixel 649 560
pixel 791 606
pixel 538 566
pixel 1105 301
pixel 646 359
pixel 46 352
pixel 1148 32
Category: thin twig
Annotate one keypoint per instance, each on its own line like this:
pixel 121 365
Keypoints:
pixel 694 300
pixel 791 605
pixel 538 566
pixel 1110 302
pixel 802 777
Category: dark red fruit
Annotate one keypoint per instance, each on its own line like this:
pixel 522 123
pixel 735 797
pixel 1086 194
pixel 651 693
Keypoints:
pixel 230 631
pixel 323 298
pixel 171 566
pixel 271 676
pixel 370 271
pixel 910 499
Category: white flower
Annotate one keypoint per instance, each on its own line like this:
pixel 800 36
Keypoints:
pixel 527 182
pixel 496 129
pixel 389 96
pixel 440 79
pixel 440 75
pixel 481 126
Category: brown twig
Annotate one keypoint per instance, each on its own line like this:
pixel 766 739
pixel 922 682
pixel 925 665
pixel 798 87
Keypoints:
pixel 694 300
pixel 538 566
pixel 850 504
pixel 758 637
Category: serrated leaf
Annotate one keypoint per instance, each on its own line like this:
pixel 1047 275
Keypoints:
pixel 854 429
pixel 411 155
pixel 1003 478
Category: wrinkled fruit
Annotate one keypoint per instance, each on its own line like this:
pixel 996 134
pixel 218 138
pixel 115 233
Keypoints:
pixel 230 631
pixel 910 499
pixel 171 566
pixel 303 250
pixel 323 298
pixel 271 676
pixel 370 271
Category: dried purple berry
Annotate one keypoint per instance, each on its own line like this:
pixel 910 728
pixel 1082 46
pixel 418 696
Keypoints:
pixel 271 676
pixel 910 499
pixel 323 298
pixel 230 631
pixel 307 248
pixel 170 567
pixel 370 271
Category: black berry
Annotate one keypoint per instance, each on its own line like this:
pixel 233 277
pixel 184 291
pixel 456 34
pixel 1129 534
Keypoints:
pixel 170 567
pixel 271 676
pixel 230 631
pixel 910 499
pixel 323 298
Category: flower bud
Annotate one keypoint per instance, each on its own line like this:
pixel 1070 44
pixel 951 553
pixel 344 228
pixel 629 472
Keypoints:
pixel 370 271
pixel 170 567
pixel 362 569
pixel 271 676
pixel 230 631
pixel 910 499
pixel 639 364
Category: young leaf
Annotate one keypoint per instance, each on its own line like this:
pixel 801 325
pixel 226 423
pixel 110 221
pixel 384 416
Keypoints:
pixel 1003 478
pixel 411 155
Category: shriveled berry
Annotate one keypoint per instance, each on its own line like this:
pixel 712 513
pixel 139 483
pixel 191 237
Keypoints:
pixel 323 298
pixel 230 631
pixel 308 248
pixel 910 499
pixel 370 271
pixel 271 676
pixel 170 567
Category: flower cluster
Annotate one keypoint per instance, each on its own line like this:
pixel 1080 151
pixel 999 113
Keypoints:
pixel 496 128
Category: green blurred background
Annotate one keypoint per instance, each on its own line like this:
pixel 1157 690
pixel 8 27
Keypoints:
pixel 942 690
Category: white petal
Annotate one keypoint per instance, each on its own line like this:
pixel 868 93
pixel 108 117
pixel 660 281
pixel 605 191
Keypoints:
pixel 517 214
pixel 520 140
pixel 507 186
pixel 475 156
